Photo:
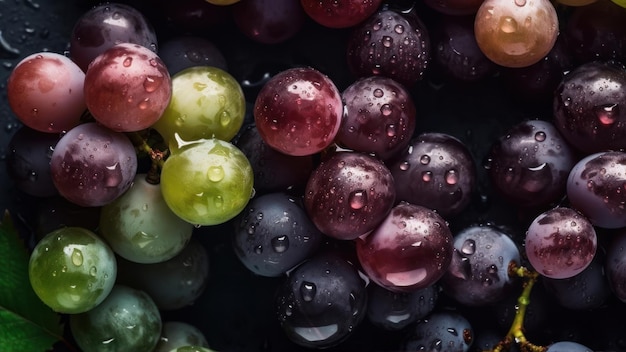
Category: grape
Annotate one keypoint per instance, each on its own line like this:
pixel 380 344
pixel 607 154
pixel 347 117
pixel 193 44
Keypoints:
pixel 379 117
pixel 436 171
pixel 390 44
pixel 207 102
pixel 107 25
pixel 273 170
pixel 183 52
pixel 177 334
pixel 349 194
pixel 479 272
pixel 445 330
pixel 207 182
pixel 273 234
pixel 410 250
pixel 128 320
pixel 587 107
pixel 560 243
pixel 516 33
pixel 140 227
pixel 321 302
pixel 567 346
pixel 127 88
pixel 28 162
pixel 298 111
pixel 595 187
pixel 174 283
pixel 340 14
pixel 455 7
pixel 396 310
pixel 92 165
pixel 45 91
pixel 268 21
pixel 72 270
pixel 530 163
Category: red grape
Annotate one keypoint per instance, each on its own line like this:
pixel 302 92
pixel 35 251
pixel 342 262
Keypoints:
pixel 127 88
pixel 45 91
pixel 298 111
pixel 340 13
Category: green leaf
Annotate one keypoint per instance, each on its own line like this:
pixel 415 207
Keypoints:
pixel 26 323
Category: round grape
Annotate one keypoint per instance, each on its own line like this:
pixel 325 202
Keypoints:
pixel 396 310
pixel 443 330
pixel 340 14
pixel 177 334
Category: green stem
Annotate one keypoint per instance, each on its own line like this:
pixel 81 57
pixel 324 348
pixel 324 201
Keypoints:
pixel 157 156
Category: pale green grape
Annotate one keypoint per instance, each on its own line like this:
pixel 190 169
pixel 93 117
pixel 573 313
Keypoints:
pixel 207 102
pixel 207 182
pixel 72 270
pixel 127 320
pixel 140 226
pixel 179 334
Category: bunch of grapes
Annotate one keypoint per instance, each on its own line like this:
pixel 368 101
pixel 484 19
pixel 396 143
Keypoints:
pixel 366 175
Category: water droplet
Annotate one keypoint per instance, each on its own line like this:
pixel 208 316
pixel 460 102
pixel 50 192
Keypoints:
pixel 218 201
pixel 391 130
pixel 127 62
pixel 508 24
pixel 358 199
pixel 144 104
pixel 399 29
pixel 540 136
pixel 151 83
pixel 452 177
pixel 378 93
pixel 520 3
pixel 225 118
pixel 427 176
pixel 93 271
pixel 258 249
pixel 280 244
pixel 607 114
pixel 468 247
pixel 215 173
pixel 77 257
pixel 424 159
pixel 199 86
pixel 405 165
pixel 308 291
pixel 386 109
pixel 113 175
pixel 387 41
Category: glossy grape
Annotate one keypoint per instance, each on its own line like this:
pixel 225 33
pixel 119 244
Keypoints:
pixel 340 14
pixel 298 111
pixel 92 165
pixel 207 182
pixel 140 227
pixel 390 44
pixel 107 25
pixel 321 302
pixel 207 102
pixel 560 243
pixel 349 194
pixel 183 52
pixel 516 33
pixel 174 283
pixel 379 118
pixel 177 334
pixel 128 320
pixel 396 310
pixel 28 162
pixel 127 88
pixel 530 163
pixel 595 187
pixel 411 249
pixel 269 21
pixel 72 270
pixel 45 91
pixel 445 329
pixel 274 234
pixel 479 272
pixel 437 171
pixel 587 107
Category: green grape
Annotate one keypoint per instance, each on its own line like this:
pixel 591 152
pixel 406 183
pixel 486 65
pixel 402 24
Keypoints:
pixel 140 227
pixel 207 182
pixel 178 334
pixel 127 320
pixel 72 270
pixel 621 3
pixel 207 102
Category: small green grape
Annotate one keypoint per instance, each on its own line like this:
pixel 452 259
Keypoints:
pixel 621 3
pixel 207 182
pixel 72 270
pixel 207 102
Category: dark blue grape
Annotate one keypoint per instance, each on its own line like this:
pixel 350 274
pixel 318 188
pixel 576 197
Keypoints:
pixel 396 310
pixel 441 331
pixel 479 272
pixel 273 234
pixel 322 301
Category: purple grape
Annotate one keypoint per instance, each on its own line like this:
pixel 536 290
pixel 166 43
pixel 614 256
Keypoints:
pixel 322 301
pixel 530 164
pixel 440 331
pixel 92 165
pixel 396 310
pixel 436 171
pixel 349 194
pixel 560 243
pixel 479 272
pixel 596 188
pixel 273 234
pixel 390 44
pixel 379 117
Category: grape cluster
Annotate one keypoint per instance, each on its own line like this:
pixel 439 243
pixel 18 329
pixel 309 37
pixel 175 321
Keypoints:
pixel 292 175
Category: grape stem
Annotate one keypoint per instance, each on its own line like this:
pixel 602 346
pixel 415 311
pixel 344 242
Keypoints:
pixel 516 332
pixel 156 156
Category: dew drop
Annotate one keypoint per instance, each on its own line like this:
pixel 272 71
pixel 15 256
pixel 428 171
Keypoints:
pixel 358 199
pixel 151 83
pixel 508 24
pixel 405 165
pixel 93 271
pixel 452 177
pixel 468 247
pixel 258 249
pixel 607 114
pixel 77 257
pixel 225 118
pixel 427 176
pixel 540 136
pixel 398 29
pixel 127 62
pixel 280 244
pixel 218 201
pixel 385 109
pixel 520 3
pixel 387 41
pixel 308 291
pixel 144 104
pixel 215 173
pixel 378 93
pixel 391 130
pixel 424 159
